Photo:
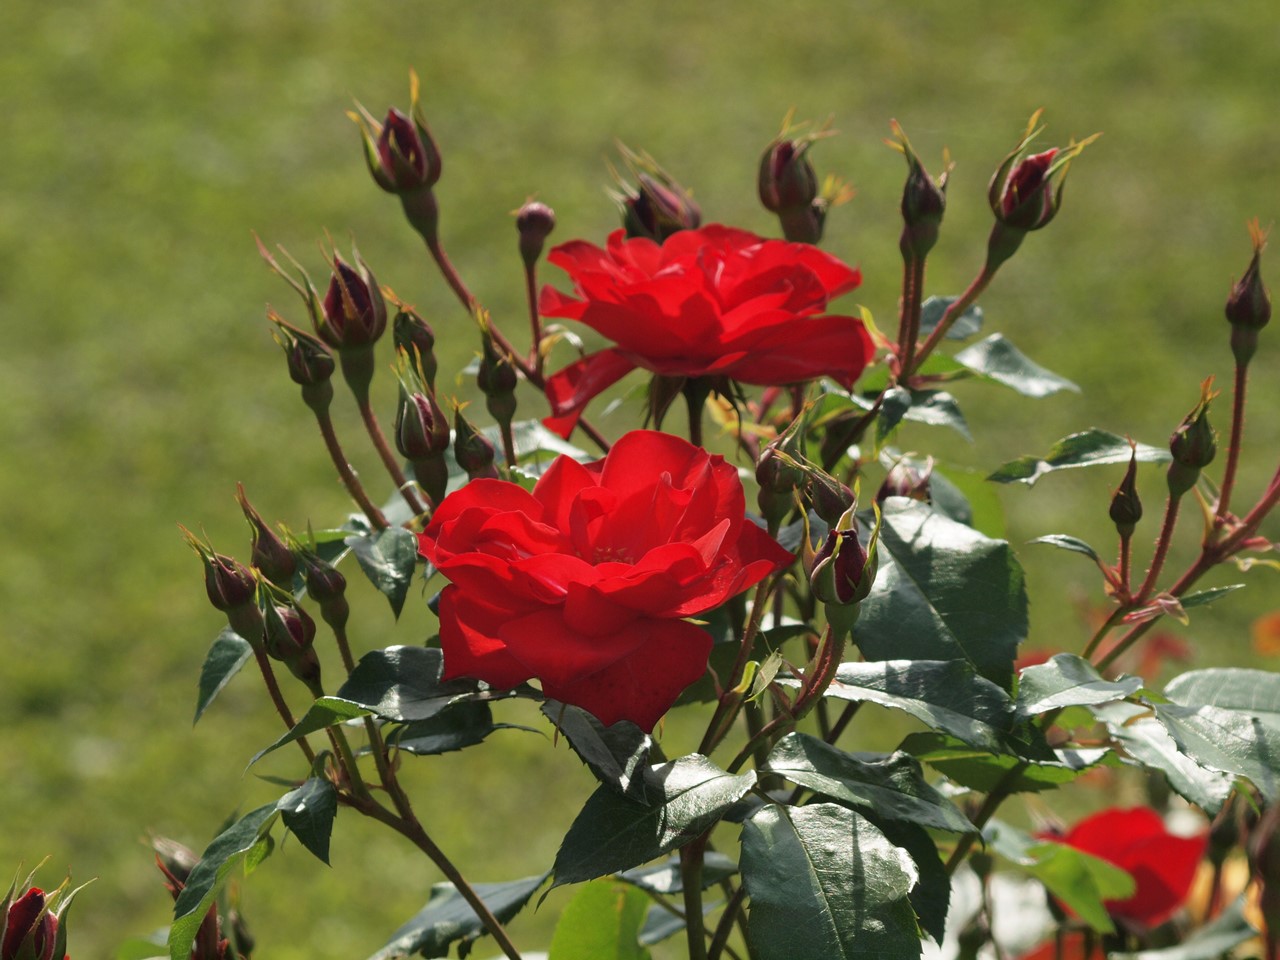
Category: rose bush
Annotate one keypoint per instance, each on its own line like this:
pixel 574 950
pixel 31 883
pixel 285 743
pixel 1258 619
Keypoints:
pixel 712 302
pixel 1162 864
pixel 586 582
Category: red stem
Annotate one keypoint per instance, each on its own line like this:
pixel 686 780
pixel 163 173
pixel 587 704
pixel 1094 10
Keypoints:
pixel 1237 439
pixel 349 479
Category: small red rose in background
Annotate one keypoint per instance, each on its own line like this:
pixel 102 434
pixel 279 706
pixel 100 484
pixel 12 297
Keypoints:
pixel 585 582
pixel 712 302
pixel 1162 864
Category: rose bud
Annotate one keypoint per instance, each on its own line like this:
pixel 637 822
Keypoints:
pixel 401 153
pixel 924 201
pixel 496 377
pixel 310 362
pixel 779 472
pixel 1249 305
pixel 353 314
pixel 1126 508
pixel 534 222
pixel 841 575
pixel 829 498
pixel 656 206
pixel 473 452
pixel 904 480
pixel 1193 444
pixel 786 181
pixel 270 554
pixel 289 635
pixel 326 585
pixel 30 929
pixel 411 334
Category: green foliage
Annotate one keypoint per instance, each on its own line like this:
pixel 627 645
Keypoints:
pixel 601 922
pixel 1090 448
pixel 229 653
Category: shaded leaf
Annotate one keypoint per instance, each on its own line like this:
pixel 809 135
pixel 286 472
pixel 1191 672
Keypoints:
pixel 324 712
pixel 937 408
pixel 833 868
pixel 601 922
pixel 448 918
pixel 618 755
pixel 1090 448
pixel 982 770
pixel 1074 544
pixel 1066 680
pixel 997 359
pixel 387 558
pixel 931 896
pixel 613 832
pixel 228 654
pixel 893 407
pixel 665 878
pixel 943 592
pixel 889 787
pixel 966 325
pixel 945 694
pixel 455 728
pixel 403 684
pixel 308 812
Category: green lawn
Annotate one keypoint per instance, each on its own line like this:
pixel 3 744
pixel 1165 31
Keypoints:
pixel 146 141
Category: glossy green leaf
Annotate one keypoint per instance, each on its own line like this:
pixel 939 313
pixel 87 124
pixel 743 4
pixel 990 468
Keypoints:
pixel 1202 598
pixel 1090 448
pixel 894 405
pixel 601 922
pixel 1145 739
pixel 937 408
pixel 982 770
pixel 1074 544
pixel 324 712
pixel 613 832
pixel 931 896
pixel 981 507
pixel 1233 688
pixel 1068 681
pixel 943 592
pixel 665 878
pixel 1234 741
pixel 388 558
pixel 454 728
pixel 833 868
pixel 448 918
pixel 1079 880
pixel 403 684
pixel 309 812
pixel 890 787
pixel 618 755
pixel 1215 939
pixel 966 325
pixel 207 878
pixel 229 653
pixel 945 694
pixel 995 358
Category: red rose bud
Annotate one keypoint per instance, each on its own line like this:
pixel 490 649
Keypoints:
pixel 326 585
pixel 534 222
pixel 656 206
pixel 422 430
pixel 354 314
pixel 786 180
pixel 905 480
pixel 270 554
pixel 1249 305
pixel 496 377
pixel 839 569
pixel 289 636
pixel 1193 444
pixel 401 153
pixel 310 362
pixel 924 200
pixel 829 498
pixel 471 450
pixel 415 337
pixel 30 929
pixel 780 471
pixel 1126 508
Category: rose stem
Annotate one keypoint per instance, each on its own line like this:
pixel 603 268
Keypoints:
pixel 999 793
pixel 277 698
pixel 1237 439
pixel 348 476
pixel 370 725
pixel 720 939
pixel 535 321
pixel 952 313
pixel 691 879
pixel 1162 549
pixel 388 457
pixel 909 325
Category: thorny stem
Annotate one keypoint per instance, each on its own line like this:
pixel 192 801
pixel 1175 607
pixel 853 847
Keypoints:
pixel 1233 447
pixel 998 795
pixel 953 313
pixel 277 698
pixel 388 457
pixel 1124 564
pixel 1162 549
pixel 349 479
pixel 909 325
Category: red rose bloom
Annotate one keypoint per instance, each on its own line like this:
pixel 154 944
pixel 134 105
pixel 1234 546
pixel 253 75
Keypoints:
pixel 585 582
pixel 713 302
pixel 1162 865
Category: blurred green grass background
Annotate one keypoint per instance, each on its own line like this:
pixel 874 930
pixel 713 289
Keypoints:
pixel 138 381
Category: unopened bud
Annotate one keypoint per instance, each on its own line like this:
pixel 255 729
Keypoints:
pixel 270 554
pixel 354 314
pixel 656 206
pixel 473 452
pixel 829 498
pixel 1249 305
pixel 30 928
pixel 496 378
pixel 310 362
pixel 842 572
pixel 786 179
pixel 411 334
pixel 924 201
pixel 534 221
pixel 401 153
pixel 1126 508
pixel 780 472
pixel 906 480
pixel 326 586
pixel 1193 444
pixel 422 430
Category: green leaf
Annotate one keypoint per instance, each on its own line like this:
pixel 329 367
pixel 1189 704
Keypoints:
pixel 966 325
pixel 661 924
pixel 618 755
pixel 943 592
pixel 324 712
pixel 1204 597
pixel 1234 741
pixel 945 694
pixel 887 787
pixel 931 896
pixel 1091 448
pixel 208 876
pixel 894 406
pixel 455 728
pixel 308 812
pixel 937 408
pixel 1079 880
pixel 1233 688
pixel 997 359
pixel 613 832
pixel 1216 939
pixel 601 922
pixel 825 884
pixel 665 878
pixel 403 684
pixel 982 509
pixel 228 654
pixel 448 918
pixel 1145 739
pixel 388 558
pixel 1068 681
pixel 983 770
pixel 1074 544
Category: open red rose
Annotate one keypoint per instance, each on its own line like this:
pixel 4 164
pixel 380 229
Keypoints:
pixel 712 302
pixel 585 582
pixel 1162 864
